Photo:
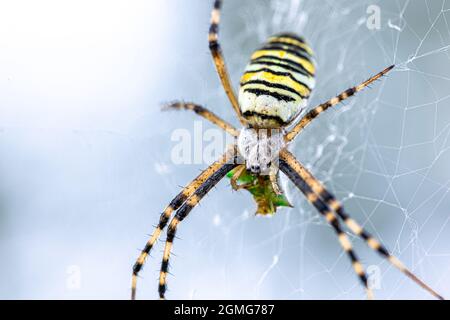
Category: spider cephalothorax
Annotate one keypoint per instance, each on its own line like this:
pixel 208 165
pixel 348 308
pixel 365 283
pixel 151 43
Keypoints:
pixel 260 148
pixel 274 89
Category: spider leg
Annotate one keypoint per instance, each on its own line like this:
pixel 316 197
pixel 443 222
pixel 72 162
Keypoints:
pixel 313 113
pixel 236 176
pixel 219 61
pixel 273 176
pixel 176 203
pixel 183 213
pixel 205 113
pixel 287 166
pixel 331 202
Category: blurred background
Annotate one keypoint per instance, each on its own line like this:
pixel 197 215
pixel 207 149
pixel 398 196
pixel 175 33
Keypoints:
pixel 85 152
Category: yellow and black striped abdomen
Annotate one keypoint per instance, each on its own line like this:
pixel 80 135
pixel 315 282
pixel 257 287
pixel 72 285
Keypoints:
pixel 277 82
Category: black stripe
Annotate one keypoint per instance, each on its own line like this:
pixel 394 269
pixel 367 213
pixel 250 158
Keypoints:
pixel 274 61
pixel 291 45
pixel 312 113
pixel 276 95
pixel 273 85
pixel 214 28
pixel 300 54
pixel 204 189
pixel 326 196
pixel 198 109
pixel 171 234
pixel 217 4
pixel 162 290
pixel 264 116
pixel 284 66
pixel 350 91
pixel 363 279
pixel 382 250
pixel 320 205
pixel 163 221
pixel 165 265
pixel 136 268
pixel 279 73
pixel 178 201
pixel 214 46
pixel 289 35
pixel 352 256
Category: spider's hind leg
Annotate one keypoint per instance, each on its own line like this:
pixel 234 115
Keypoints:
pixel 331 203
pixel 314 113
pixel 288 166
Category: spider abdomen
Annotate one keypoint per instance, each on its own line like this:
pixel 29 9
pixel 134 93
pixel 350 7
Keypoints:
pixel 277 82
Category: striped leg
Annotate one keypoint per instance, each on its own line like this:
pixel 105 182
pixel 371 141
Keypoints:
pixel 187 192
pixel 313 113
pixel 183 213
pixel 325 211
pixel 205 113
pixel 219 61
pixel 332 203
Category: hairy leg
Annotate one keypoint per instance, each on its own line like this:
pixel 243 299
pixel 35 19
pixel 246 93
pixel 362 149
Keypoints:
pixel 219 61
pixel 313 113
pixel 334 205
pixel 205 113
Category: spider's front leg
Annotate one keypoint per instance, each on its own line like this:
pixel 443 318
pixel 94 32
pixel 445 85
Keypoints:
pixel 176 203
pixel 219 61
pixel 313 113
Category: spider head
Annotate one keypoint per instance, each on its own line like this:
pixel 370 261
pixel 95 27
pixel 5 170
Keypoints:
pixel 260 148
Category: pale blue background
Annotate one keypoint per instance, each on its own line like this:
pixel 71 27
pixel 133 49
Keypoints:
pixel 85 163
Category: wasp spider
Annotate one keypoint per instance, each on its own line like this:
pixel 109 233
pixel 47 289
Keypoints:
pixel 273 92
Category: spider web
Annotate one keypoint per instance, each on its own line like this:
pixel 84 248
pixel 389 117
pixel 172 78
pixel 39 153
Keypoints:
pixel 85 152
pixel 384 154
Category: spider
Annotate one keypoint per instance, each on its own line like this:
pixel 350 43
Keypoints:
pixel 273 93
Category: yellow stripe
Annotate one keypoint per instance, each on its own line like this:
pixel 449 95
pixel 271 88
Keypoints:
pixel 193 200
pixel 357 266
pixel 330 217
pixel 294 42
pixel 374 244
pixel 303 90
pixel 281 54
pixel 162 278
pixel 167 249
pixel 354 226
pixel 345 242
pixel 305 79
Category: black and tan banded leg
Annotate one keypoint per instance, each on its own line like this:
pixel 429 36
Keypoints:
pixel 183 213
pixel 317 187
pixel 234 179
pixel 205 113
pixel 219 61
pixel 324 210
pixel 313 113
pixel 176 203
